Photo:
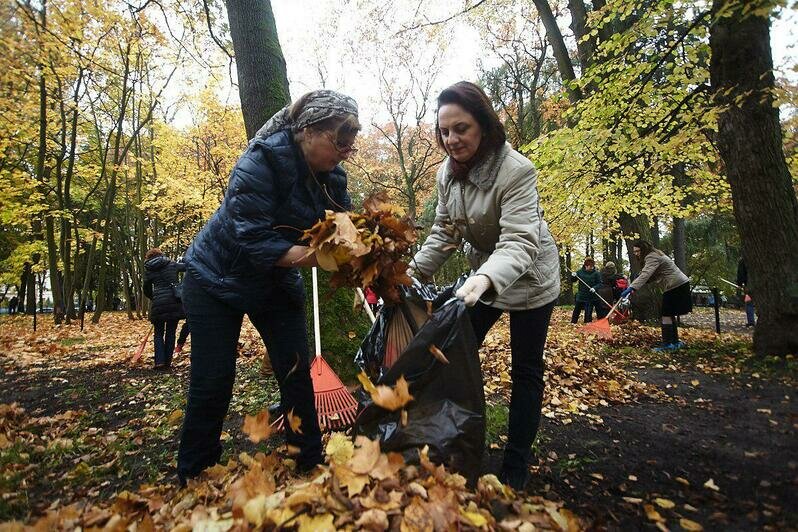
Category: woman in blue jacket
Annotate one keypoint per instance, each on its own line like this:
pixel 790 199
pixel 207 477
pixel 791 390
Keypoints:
pixel 245 260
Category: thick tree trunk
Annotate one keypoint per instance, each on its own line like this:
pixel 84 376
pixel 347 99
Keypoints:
pixel 262 78
pixel 750 143
pixel 646 302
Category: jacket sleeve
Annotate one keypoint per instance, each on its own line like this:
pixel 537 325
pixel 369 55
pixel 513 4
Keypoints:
pixel 650 265
pixel 443 239
pixel 253 200
pixel 147 284
pixel 519 238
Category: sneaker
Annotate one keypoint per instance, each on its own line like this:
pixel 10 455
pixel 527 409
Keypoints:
pixel 750 324
pixel 668 348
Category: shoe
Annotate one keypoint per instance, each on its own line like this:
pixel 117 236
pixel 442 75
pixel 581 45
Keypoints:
pixel 750 324
pixel 669 348
pixel 515 478
pixel 178 349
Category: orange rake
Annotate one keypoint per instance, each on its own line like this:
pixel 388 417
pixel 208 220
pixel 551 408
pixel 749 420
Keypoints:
pixel 142 345
pixel 601 328
pixel 335 406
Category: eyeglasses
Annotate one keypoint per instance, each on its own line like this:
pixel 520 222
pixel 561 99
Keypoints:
pixel 343 148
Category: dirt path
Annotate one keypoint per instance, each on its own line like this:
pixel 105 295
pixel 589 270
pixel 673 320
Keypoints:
pixel 741 434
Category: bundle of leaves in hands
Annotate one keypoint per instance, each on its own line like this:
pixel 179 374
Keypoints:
pixel 365 249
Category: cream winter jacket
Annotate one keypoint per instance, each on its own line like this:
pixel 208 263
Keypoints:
pixel 496 214
pixel 659 268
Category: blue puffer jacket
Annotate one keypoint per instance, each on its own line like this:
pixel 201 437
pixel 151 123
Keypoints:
pixel 271 199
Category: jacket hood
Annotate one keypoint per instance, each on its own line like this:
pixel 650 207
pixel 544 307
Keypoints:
pixel 156 263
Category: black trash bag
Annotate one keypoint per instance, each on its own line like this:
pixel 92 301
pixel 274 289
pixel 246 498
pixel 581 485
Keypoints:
pixel 416 301
pixel 448 408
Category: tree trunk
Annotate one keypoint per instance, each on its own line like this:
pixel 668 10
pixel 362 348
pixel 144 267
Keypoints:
pixel 680 244
pixel 554 36
pixel 55 279
pixel 750 143
pixel 646 301
pixel 23 287
pixel 262 78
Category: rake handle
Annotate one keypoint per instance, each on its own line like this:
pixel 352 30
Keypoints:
pixel 613 308
pixel 316 326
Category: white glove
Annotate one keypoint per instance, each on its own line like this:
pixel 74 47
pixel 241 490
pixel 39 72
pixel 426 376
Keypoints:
pixel 472 289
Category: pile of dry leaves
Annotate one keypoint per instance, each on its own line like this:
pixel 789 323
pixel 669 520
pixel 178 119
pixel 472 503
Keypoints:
pixel 359 488
pixel 581 371
pixel 365 249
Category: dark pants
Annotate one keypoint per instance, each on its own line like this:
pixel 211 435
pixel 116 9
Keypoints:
pixel 750 318
pixel 588 308
pixel 528 330
pixel 185 330
pixel 164 341
pixel 215 329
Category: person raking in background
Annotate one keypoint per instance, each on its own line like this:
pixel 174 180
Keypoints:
pixel 487 196
pixel 245 260
pixel 587 277
pixel 160 280
pixel 676 301
pixel 610 288
pixel 742 282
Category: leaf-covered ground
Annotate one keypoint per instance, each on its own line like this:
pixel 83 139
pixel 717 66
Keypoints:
pixel 630 439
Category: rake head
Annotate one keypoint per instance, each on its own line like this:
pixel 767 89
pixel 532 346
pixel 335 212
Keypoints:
pixel 335 406
pixel 600 328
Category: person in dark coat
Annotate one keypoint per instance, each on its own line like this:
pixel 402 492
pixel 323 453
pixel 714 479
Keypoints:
pixel 587 277
pixel 245 261
pixel 608 289
pixel 12 305
pixel 160 282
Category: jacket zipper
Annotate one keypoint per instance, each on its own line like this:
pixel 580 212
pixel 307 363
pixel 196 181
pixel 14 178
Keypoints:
pixel 465 211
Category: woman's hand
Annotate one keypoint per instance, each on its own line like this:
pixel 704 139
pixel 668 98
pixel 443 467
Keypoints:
pixel 297 257
pixel 472 289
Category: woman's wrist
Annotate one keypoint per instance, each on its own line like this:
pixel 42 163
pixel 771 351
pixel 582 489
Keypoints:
pixel 297 257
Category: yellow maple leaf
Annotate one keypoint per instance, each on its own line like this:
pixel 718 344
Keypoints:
pixel 340 448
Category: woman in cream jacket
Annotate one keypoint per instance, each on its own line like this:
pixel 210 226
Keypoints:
pixel 488 203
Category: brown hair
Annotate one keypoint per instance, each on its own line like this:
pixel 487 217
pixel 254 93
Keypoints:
pixel 475 102
pixel 589 262
pixel 645 247
pixel 154 252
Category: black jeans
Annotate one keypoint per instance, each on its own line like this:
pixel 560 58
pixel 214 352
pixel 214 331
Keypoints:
pixel 528 329
pixel 578 307
pixel 215 329
pixel 164 340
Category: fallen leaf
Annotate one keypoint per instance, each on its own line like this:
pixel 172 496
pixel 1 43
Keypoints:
pixel 652 514
pixel 175 417
pixel 692 526
pixel 437 353
pixel 711 485
pixel 664 503
pixel 257 427
pixel 340 448
pixel 366 454
pixel 294 422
